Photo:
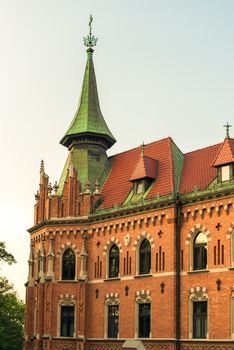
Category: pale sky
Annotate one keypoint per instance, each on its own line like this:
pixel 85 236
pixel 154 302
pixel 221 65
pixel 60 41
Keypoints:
pixel 163 68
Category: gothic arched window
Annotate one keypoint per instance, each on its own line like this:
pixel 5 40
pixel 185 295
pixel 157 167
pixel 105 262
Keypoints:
pixel 144 257
pixel 200 251
pixel 114 261
pixel 68 265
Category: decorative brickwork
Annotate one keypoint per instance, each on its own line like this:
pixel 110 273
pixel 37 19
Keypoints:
pixel 206 347
pixel 64 344
pixel 197 228
pixel 67 245
pixel 113 240
pixel 142 236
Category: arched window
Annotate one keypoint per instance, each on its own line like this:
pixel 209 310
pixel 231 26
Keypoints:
pixel 114 261
pixel 144 257
pixel 200 252
pixel 68 265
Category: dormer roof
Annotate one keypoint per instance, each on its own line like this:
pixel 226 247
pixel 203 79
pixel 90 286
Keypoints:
pixel 225 153
pixel 145 168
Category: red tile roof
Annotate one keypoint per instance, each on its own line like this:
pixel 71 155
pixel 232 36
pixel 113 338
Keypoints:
pixel 197 169
pixel 225 153
pixel 118 186
pixel 145 168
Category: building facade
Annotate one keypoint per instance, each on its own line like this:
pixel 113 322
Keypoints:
pixel 139 245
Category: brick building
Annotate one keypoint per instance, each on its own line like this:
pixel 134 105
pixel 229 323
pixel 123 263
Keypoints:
pixel 138 245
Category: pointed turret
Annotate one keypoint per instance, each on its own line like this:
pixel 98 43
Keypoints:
pixel 88 136
pixel 88 123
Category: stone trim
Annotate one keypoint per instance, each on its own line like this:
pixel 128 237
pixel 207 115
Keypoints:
pixel 197 289
pixel 66 245
pixel 67 299
pixel 209 209
pixel 143 296
pixel 112 296
pixel 195 229
pixel 99 228
pixel 113 240
pixel 230 230
pixel 139 238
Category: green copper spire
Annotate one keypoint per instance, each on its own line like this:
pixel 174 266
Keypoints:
pixel 88 123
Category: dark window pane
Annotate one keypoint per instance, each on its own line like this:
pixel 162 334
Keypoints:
pixel 145 257
pixel 114 261
pixel 144 320
pixel 200 252
pixel 67 321
pixel 113 321
pixel 199 319
pixel 68 265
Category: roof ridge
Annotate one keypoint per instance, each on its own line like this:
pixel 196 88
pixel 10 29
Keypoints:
pixel 134 148
pixel 200 149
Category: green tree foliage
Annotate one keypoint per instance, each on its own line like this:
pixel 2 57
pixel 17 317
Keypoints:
pixel 11 310
pixel 4 255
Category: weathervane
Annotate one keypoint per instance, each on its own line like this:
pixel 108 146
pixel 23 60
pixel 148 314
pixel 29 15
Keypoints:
pixel 90 40
pixel 227 126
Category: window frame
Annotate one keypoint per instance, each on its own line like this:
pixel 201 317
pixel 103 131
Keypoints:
pixel 112 299
pixel 148 320
pixel 71 307
pixel 202 317
pixel 143 297
pixel 197 294
pixel 116 259
pixel 62 266
pixel 147 255
pixel 112 320
pixel 66 301
pixel 192 251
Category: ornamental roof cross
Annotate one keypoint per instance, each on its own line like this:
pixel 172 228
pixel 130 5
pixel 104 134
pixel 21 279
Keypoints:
pixel 227 126
pixel 90 40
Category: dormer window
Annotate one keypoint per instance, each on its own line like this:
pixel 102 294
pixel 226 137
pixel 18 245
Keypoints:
pixel 139 187
pixel 224 160
pixel 144 174
pixel 225 173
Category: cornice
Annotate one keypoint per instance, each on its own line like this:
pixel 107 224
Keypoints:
pixel 216 191
pixel 108 214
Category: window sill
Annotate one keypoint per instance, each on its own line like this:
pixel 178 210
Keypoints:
pixel 197 271
pixel 67 281
pixel 143 275
pixel 112 279
pixel 68 338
